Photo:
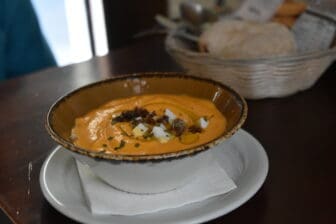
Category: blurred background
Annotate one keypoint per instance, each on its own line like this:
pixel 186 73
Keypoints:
pixel 76 30
pixel 70 26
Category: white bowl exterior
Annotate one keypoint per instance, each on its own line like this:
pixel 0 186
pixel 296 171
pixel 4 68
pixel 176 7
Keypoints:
pixel 148 177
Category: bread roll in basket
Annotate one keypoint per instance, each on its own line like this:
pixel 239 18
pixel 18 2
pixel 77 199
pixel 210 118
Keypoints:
pixel 253 78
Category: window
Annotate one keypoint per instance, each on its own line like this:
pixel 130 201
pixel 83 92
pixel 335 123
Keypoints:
pixel 66 28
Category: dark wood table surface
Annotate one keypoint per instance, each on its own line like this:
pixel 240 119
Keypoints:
pixel 298 133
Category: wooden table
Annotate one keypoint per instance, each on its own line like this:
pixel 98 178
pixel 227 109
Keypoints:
pixel 297 133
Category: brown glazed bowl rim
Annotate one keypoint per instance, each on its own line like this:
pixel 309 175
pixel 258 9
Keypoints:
pixel 170 155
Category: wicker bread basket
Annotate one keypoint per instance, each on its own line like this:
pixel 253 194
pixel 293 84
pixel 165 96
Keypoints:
pixel 253 78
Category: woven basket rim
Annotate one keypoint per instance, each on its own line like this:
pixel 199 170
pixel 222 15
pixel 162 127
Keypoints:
pixel 172 47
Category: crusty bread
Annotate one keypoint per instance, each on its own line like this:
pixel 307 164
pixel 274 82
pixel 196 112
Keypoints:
pixel 285 20
pixel 235 39
pixel 288 12
pixel 291 8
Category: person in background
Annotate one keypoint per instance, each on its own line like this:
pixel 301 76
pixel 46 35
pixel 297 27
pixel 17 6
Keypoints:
pixel 23 48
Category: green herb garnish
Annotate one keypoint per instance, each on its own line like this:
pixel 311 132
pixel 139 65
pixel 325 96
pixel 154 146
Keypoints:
pixel 121 145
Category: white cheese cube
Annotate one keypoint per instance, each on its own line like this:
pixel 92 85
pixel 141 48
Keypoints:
pixel 139 130
pixel 171 116
pixel 163 126
pixel 161 134
pixel 203 123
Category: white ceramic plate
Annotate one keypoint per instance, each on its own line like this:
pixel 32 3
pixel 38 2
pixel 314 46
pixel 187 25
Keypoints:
pixel 242 156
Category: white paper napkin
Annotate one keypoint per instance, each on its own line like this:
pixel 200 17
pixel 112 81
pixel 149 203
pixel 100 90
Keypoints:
pixel 102 199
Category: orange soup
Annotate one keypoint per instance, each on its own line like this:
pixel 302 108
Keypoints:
pixel 149 125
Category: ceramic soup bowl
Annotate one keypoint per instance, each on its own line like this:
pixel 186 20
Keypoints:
pixel 145 174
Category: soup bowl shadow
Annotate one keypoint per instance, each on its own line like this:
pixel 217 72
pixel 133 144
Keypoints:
pixel 144 174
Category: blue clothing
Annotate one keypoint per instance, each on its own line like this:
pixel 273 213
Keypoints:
pixel 23 48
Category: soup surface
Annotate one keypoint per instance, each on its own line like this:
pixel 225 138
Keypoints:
pixel 148 125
